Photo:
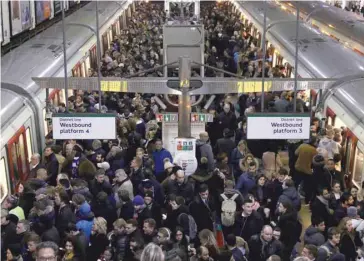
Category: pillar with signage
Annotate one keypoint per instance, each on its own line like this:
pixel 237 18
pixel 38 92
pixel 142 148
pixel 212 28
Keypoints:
pixel 183 150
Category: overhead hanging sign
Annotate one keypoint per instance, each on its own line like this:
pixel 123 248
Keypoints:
pixel 85 126
pixel 278 126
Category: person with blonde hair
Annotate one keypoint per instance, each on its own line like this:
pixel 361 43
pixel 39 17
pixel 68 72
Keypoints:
pixel 208 240
pixel 152 252
pixel 348 239
pixel 244 163
pixel 98 239
pixel 237 156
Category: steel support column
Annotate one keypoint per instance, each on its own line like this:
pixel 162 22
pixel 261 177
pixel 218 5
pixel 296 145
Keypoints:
pixel 184 102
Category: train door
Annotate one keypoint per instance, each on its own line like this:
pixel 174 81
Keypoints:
pixel 4 176
pixel 93 57
pixel 76 71
pixel 105 42
pixel 358 164
pixel 19 152
pixel 87 64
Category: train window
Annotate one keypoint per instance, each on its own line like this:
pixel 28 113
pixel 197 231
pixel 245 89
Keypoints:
pixel 329 120
pixel 88 65
pixel 45 122
pixel 339 123
pixel 358 169
pixel 29 143
pixel 3 180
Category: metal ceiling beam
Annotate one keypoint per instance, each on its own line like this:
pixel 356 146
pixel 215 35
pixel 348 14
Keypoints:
pixel 211 85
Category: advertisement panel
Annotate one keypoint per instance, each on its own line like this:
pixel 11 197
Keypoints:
pixel 20 16
pixel 86 126
pixel 278 126
pixel 42 11
pixel 57 7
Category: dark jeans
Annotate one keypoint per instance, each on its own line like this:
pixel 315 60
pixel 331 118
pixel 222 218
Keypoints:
pixel 309 185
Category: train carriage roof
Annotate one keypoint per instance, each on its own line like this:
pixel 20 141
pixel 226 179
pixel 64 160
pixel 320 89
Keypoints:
pixel 319 56
pixel 344 22
pixel 42 56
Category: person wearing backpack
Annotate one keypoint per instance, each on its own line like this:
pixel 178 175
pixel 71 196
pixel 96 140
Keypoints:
pixel 230 203
pixel 330 247
pixel 204 149
pixel 203 209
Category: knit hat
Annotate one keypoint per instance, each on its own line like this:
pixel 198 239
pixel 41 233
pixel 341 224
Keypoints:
pixel 138 201
pixel 352 212
pixel 103 165
pixel 148 194
pixel 167 164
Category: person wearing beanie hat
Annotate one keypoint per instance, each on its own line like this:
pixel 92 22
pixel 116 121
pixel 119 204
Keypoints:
pixel 168 166
pixel 154 207
pixel 141 212
pixel 138 201
pixel 352 212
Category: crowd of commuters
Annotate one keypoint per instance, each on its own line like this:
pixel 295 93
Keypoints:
pixel 125 199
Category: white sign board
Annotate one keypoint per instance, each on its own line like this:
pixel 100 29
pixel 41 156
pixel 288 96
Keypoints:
pixel 170 133
pixel 86 126
pixel 187 161
pixel 185 145
pixel 273 126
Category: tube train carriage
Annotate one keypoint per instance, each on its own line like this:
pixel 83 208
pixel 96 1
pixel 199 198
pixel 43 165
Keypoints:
pixel 23 102
pixel 23 125
pixel 343 26
pixel 320 56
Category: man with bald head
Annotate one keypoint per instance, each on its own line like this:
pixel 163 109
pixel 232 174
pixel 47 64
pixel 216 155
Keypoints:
pixel 204 149
pixel 263 245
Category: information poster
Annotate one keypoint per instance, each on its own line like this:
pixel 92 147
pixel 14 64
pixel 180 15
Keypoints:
pixel 42 10
pixel 57 7
pixel 187 161
pixel 86 126
pixel 278 126
pixel 20 16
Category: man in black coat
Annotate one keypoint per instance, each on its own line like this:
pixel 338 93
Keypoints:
pixel 249 222
pixel 99 184
pixel 181 187
pixel 203 210
pixel 320 207
pixel 64 213
pixel 263 245
pixel 52 166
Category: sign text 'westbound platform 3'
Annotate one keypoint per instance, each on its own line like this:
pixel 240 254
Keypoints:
pixel 278 126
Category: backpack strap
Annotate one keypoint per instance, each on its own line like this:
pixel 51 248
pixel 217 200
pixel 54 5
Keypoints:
pixel 224 197
pixel 234 196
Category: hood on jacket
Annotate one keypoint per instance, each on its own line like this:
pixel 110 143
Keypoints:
pixel 201 142
pixel 313 236
pixel 84 211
